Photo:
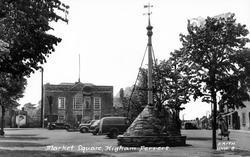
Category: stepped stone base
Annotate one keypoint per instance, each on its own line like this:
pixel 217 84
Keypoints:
pixel 151 141
pixel 147 130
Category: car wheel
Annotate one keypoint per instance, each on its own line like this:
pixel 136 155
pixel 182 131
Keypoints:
pixel 113 133
pixel 95 132
pixel 83 130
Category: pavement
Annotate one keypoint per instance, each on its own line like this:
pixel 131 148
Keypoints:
pixel 199 144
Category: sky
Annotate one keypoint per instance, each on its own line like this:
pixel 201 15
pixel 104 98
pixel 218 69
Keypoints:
pixel 110 36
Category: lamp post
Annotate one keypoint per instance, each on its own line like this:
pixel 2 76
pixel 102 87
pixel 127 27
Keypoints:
pixel 42 124
pixel 183 116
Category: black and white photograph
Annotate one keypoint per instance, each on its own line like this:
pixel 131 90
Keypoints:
pixel 121 78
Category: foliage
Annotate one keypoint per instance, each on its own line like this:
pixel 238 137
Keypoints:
pixel 134 103
pixel 33 114
pixel 217 58
pixel 11 89
pixel 29 106
pixel 25 42
pixel 171 87
pixel 121 93
pixel 24 25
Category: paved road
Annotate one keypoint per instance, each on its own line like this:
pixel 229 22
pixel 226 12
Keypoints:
pixel 240 138
pixel 199 142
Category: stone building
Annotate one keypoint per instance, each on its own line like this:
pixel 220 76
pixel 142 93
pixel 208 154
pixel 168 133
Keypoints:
pixel 239 118
pixel 77 102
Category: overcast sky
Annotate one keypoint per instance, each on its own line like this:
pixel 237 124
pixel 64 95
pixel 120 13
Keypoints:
pixel 110 36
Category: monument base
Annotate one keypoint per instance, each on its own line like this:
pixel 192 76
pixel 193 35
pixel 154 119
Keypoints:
pixel 151 141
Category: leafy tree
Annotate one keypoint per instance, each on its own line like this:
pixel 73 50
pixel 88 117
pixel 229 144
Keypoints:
pixel 213 52
pixel 171 88
pixel 24 25
pixel 11 89
pixel 235 87
pixel 25 42
pixel 135 98
pixel 33 115
pixel 121 93
pixel 29 106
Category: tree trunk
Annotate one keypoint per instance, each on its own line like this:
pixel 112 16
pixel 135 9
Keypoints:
pixel 2 121
pixel 214 126
pixel 214 100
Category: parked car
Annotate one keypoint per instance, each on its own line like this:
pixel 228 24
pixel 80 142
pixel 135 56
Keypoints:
pixel 113 126
pixel 84 127
pixel 56 125
pixel 190 126
pixel 94 128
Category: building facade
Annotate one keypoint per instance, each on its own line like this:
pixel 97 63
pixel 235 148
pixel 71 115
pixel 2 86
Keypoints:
pixel 77 102
pixel 239 118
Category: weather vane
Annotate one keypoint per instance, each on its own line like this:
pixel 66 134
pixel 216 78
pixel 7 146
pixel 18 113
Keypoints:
pixel 149 12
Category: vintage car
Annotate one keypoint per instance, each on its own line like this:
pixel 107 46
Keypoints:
pixel 94 128
pixel 84 127
pixel 56 125
pixel 113 126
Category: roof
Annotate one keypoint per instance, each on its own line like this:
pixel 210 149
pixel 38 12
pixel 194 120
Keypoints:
pixel 76 87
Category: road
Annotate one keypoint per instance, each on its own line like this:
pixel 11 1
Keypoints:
pixel 198 143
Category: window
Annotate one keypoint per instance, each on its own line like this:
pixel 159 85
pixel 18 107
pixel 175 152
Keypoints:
pixel 61 103
pixel 61 118
pixel 243 119
pixel 97 103
pixel 78 102
pixel 87 102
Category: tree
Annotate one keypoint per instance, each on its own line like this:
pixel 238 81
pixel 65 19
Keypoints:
pixel 11 89
pixel 121 93
pixel 235 87
pixel 25 42
pixel 29 106
pixel 24 25
pixel 33 116
pixel 213 51
pixel 171 88
pixel 135 97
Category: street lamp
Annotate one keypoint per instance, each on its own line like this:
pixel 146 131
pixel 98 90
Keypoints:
pixel 42 124
pixel 183 116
